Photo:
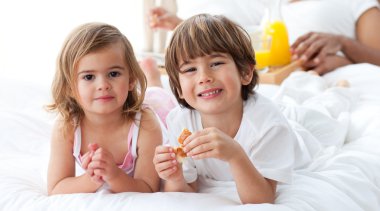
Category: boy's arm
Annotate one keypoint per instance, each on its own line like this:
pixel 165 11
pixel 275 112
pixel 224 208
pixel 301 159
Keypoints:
pixel 180 185
pixel 252 187
pixel 61 171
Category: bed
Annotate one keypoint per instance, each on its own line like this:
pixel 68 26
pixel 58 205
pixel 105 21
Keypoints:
pixel 339 178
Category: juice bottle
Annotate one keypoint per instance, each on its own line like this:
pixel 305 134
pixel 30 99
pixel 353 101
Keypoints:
pixel 275 29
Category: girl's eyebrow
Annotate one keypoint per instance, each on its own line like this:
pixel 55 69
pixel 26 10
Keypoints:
pixel 110 68
pixel 85 71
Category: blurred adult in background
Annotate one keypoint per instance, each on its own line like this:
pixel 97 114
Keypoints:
pixel 325 34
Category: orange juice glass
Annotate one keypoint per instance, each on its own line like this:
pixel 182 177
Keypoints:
pixel 262 48
pixel 262 59
pixel 279 51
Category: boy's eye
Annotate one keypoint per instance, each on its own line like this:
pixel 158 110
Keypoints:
pixel 114 74
pixel 216 64
pixel 88 77
pixel 191 69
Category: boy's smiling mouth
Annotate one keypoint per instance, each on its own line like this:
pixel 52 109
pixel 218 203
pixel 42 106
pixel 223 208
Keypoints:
pixel 210 93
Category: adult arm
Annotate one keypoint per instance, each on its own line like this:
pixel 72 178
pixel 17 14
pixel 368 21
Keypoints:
pixel 315 48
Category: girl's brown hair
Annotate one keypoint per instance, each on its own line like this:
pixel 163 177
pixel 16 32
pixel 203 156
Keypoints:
pixel 81 41
pixel 202 35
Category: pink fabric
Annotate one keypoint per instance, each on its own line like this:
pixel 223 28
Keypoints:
pixel 160 101
pixel 129 161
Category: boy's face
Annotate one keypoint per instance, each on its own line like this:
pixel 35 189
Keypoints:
pixel 211 84
pixel 103 81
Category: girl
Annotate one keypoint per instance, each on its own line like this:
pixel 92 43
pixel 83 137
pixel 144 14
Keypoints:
pixel 98 91
pixel 238 135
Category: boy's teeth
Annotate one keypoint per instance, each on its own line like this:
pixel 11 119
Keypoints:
pixel 210 93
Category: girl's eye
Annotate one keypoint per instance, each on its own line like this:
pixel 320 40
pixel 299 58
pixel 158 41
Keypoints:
pixel 88 77
pixel 114 74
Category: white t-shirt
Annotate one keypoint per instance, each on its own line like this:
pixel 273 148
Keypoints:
pixel 328 16
pixel 264 134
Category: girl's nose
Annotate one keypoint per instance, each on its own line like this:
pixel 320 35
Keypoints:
pixel 104 85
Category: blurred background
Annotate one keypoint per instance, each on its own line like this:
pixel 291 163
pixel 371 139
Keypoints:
pixel 32 32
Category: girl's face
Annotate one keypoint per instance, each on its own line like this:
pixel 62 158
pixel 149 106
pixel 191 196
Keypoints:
pixel 211 84
pixel 103 80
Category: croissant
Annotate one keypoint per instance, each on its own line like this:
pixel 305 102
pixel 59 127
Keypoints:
pixel 180 154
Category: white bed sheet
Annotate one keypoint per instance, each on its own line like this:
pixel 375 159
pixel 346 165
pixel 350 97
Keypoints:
pixel 344 178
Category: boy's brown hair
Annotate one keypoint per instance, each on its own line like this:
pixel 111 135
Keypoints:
pixel 202 35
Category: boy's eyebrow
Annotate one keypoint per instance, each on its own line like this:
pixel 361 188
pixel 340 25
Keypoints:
pixel 212 55
pixel 184 63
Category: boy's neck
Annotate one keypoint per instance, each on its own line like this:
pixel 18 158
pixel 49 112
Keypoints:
pixel 228 122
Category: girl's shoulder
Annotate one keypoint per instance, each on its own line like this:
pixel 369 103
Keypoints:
pixel 149 129
pixel 63 131
pixel 147 119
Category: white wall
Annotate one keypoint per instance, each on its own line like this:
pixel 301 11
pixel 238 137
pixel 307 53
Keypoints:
pixel 32 31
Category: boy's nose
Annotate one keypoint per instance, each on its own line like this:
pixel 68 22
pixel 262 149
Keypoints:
pixel 205 76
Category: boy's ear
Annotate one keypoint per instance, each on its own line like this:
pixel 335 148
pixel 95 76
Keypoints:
pixel 180 95
pixel 247 77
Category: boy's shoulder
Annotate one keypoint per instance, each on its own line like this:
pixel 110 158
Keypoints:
pixel 179 113
pixel 262 108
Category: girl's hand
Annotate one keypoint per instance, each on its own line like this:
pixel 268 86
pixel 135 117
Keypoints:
pixel 211 143
pixel 104 166
pixel 166 164
pixel 87 159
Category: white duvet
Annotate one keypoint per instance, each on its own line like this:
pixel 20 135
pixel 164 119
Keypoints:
pixel 343 176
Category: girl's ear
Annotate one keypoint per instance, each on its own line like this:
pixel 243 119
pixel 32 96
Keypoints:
pixel 132 84
pixel 246 78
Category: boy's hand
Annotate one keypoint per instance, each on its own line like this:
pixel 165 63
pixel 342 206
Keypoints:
pixel 166 165
pixel 211 143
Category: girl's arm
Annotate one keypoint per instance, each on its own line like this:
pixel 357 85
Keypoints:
pixel 145 177
pixel 61 171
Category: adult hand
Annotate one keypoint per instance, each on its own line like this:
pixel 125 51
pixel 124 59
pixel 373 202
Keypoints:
pixel 211 143
pixel 312 48
pixel 330 63
pixel 160 18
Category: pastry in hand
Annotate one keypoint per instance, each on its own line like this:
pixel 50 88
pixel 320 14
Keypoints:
pixel 180 154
